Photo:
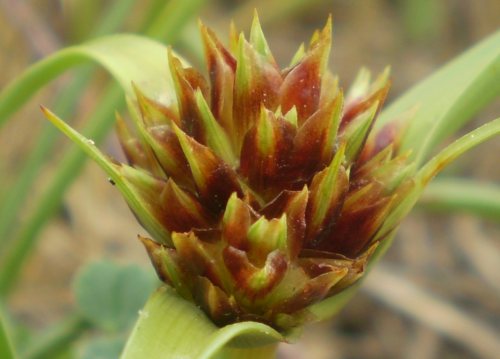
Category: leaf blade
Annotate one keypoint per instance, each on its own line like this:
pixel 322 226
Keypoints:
pixel 449 98
pixel 6 350
pixel 170 316
pixel 125 56
pixel 463 195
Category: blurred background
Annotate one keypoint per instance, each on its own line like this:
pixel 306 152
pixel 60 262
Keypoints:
pixel 434 295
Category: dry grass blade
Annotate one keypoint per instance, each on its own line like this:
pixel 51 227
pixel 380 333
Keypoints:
pixel 444 318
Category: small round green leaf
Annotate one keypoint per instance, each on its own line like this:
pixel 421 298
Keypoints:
pixel 110 295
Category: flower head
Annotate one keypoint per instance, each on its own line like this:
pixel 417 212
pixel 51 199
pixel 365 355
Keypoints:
pixel 270 184
pixel 265 190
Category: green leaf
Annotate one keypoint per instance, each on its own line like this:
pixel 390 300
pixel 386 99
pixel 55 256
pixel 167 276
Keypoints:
pixel 110 296
pixel 118 54
pixel 6 351
pixel 462 195
pixel 454 150
pixel 127 57
pixel 171 327
pixel 449 98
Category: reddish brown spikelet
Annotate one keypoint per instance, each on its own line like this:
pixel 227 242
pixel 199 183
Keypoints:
pixel 272 184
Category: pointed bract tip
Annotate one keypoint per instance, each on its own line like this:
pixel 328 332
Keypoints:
pixel 329 22
pixel 233 38
pixel 200 23
pixel 52 117
pixel 327 30
pixel 148 243
pixel 387 70
pixel 255 16
pixel 255 23
pixel 172 58
pixel 232 29
pixel 139 95
pixel 205 31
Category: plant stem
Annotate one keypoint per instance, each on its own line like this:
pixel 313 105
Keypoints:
pixel 6 351
pixel 460 195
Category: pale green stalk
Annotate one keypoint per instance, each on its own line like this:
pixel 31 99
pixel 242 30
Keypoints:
pixel 462 195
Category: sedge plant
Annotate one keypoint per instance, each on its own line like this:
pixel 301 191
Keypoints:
pixel 268 193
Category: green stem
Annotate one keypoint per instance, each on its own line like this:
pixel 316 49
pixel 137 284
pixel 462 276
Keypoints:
pixel 19 91
pixel 460 195
pixel 171 327
pixel 6 351
pixel 57 339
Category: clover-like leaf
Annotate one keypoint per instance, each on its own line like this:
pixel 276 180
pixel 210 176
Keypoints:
pixel 110 295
